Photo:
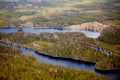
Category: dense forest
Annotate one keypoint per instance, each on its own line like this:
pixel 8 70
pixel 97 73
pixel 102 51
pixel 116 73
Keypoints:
pixel 111 35
pixel 69 45
pixel 109 39
pixel 14 65
pixel 59 14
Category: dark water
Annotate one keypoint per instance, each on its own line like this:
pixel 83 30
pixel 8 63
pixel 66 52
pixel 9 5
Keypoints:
pixel 88 33
pixel 66 62
pixel 59 61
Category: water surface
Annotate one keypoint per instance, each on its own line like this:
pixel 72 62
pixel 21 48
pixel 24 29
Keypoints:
pixel 88 33
pixel 58 61
pixel 65 62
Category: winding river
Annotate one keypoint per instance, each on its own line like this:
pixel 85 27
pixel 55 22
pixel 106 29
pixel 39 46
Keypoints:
pixel 70 63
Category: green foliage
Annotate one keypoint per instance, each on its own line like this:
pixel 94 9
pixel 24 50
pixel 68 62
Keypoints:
pixel 39 19
pixel 9 50
pixel 20 67
pixel 111 35
pixel 52 3
pixel 113 48
pixel 111 62
pixel 58 13
pixel 69 45
pixel 22 38
pixel 111 22
pixel 110 40
pixel 59 44
pixel 2 35
pixel 74 50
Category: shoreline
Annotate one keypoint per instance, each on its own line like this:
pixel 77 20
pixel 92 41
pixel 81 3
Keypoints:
pixel 65 58
pixel 51 28
pixel 8 27
pixel 34 27
pixel 43 54
pixel 107 70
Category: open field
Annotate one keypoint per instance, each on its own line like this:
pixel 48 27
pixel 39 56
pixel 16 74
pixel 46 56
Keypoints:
pixel 50 14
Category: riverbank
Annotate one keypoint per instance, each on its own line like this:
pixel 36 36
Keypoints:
pixel 107 70
pixel 14 65
pixel 38 52
pixel 73 59
pixel 65 58
pixel 93 26
pixel 88 33
pixel 67 45
pixel 32 27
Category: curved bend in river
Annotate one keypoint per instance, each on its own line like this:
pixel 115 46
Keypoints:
pixel 70 63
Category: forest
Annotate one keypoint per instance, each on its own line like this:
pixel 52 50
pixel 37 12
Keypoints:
pixel 14 65
pixel 59 14
pixel 71 45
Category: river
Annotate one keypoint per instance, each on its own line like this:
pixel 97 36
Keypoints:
pixel 88 33
pixel 61 61
pixel 70 63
